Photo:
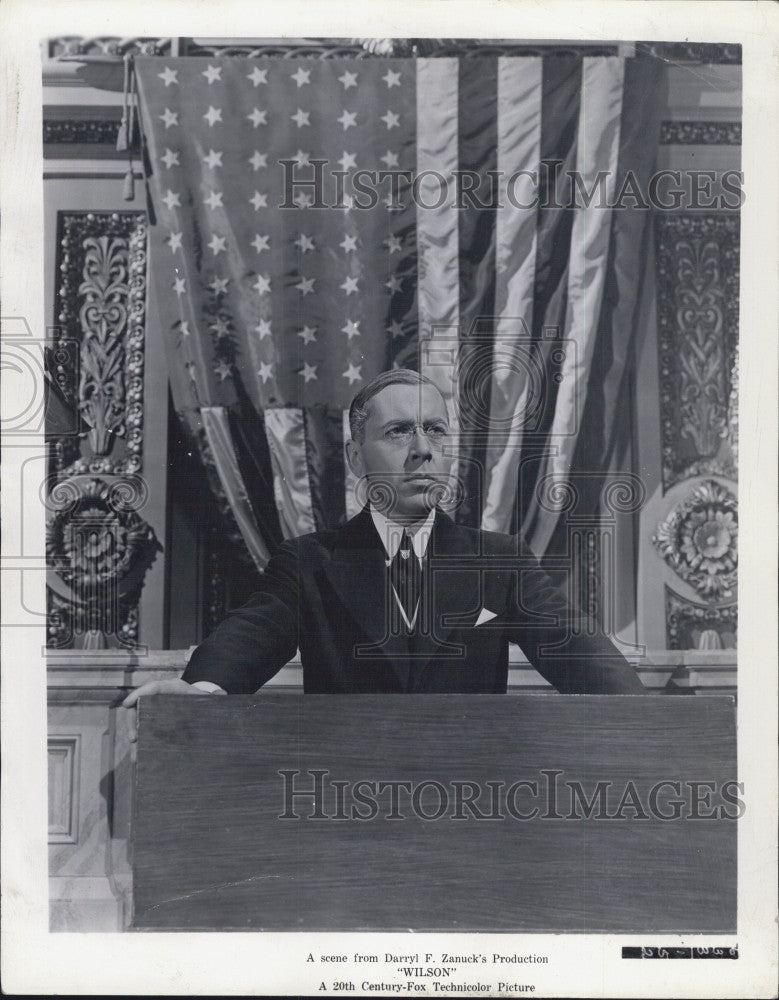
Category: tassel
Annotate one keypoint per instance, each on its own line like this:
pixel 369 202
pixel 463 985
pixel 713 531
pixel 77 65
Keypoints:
pixel 131 102
pixel 129 185
pixel 122 138
pixel 128 122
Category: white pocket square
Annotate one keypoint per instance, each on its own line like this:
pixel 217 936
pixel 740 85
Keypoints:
pixel 485 616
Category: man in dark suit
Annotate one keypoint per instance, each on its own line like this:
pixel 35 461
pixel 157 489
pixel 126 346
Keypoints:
pixel 402 599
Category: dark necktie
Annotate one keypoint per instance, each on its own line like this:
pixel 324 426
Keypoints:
pixel 406 576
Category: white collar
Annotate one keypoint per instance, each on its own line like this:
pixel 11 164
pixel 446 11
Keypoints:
pixel 391 533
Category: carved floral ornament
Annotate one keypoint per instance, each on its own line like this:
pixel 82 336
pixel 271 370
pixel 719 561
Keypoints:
pixel 699 540
pixel 98 551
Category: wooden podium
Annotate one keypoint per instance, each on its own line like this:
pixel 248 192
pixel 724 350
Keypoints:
pixel 436 812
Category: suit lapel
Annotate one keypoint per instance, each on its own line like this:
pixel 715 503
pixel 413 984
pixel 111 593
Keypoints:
pixel 452 589
pixel 357 572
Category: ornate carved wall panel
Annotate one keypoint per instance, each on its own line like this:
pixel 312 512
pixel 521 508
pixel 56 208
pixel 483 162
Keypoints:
pixel 697 307
pixel 98 545
pixel 101 306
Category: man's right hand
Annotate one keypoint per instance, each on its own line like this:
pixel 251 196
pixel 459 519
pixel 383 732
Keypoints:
pixel 156 687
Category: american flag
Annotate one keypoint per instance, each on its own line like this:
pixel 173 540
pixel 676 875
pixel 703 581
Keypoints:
pixel 276 309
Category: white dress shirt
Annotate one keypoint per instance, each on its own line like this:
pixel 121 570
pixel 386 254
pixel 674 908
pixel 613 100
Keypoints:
pixel 391 535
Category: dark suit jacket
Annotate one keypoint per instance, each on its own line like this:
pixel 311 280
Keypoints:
pixel 327 594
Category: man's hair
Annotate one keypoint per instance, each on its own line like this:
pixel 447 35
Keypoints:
pixel 358 411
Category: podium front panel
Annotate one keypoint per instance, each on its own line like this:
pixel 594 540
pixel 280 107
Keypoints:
pixel 287 812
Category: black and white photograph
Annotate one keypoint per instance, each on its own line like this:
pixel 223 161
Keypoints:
pixel 378 409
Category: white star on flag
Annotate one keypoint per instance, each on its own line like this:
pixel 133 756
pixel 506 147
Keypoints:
pixel 219 285
pixel 302 76
pixel 349 244
pixel 217 244
pixel 391 120
pixel 174 242
pixel 300 118
pixel 213 115
pixel 179 286
pixel 302 159
pixel 390 159
pixel 353 373
pixel 348 119
pixel 169 117
pixel 212 73
pixel 258 160
pixel 349 286
pixel 394 284
pixel 214 200
pixel 220 326
pixel 261 243
pixel 262 284
pixel 259 200
pixel 170 159
pixel 171 199
pixel 168 76
pixel 308 333
pixel 214 159
pixel 348 160
pixel 391 79
pixel 263 329
pixel 185 331
pixel 305 243
pixel 258 117
pixel 305 286
pixel 309 371
pixel 348 80
pixel 303 200
pixel 222 370
pixel 394 244
pixel 265 372
pixel 351 329
pixel 258 76
pixel 395 329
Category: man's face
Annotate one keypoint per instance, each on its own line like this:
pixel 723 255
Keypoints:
pixel 402 454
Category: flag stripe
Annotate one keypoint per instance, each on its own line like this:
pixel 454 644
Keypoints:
pixel 221 446
pixel 519 141
pixel 597 148
pixel 560 102
pixel 250 442
pixel 630 232
pixel 603 439
pixel 438 275
pixel 478 140
pixel 286 436
pixel 323 432
pixel 437 227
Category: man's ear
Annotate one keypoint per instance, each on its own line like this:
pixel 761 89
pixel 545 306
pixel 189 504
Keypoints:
pixel 354 457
